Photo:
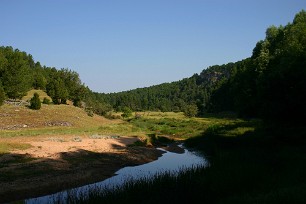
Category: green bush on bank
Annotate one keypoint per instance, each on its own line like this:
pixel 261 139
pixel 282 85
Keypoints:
pixel 35 103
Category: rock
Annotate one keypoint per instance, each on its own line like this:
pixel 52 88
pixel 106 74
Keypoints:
pixel 58 123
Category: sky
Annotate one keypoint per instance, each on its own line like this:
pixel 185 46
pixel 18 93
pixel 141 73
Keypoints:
pixel 119 45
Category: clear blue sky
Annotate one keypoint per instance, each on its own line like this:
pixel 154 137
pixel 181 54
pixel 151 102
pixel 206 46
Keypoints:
pixel 118 45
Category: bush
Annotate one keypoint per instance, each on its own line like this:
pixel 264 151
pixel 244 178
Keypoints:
pixel 127 112
pixel 89 111
pixel 46 101
pixel 98 108
pixel 191 111
pixel 35 103
pixel 77 102
pixel 2 95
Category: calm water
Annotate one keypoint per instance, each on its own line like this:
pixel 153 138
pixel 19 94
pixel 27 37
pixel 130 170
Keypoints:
pixel 169 161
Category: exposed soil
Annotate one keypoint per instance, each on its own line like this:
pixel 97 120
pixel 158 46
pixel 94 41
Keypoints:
pixel 60 162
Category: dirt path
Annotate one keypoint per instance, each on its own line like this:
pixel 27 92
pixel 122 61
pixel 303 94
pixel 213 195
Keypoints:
pixel 55 163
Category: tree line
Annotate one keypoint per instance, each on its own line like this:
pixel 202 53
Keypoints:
pixel 175 96
pixel 19 73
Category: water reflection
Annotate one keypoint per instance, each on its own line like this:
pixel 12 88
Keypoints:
pixel 169 161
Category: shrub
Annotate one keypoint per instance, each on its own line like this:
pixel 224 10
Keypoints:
pixel 77 102
pixel 191 111
pixel 89 111
pixel 46 101
pixel 127 112
pixel 2 95
pixel 35 103
pixel 98 108
pixel 63 101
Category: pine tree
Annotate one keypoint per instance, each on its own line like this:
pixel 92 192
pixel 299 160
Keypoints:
pixel 16 76
pixel 35 103
pixel 57 91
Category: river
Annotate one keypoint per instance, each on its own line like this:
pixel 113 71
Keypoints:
pixel 169 161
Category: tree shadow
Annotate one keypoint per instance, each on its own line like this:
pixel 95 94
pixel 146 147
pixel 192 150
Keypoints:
pixel 221 115
pixel 23 176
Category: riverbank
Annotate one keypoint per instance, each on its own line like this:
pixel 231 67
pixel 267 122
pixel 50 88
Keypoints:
pixel 249 163
pixel 51 164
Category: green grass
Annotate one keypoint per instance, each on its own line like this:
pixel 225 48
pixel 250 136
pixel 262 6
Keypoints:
pixel 6 147
pixel 46 131
pixel 121 128
pixel 178 128
pixel 164 187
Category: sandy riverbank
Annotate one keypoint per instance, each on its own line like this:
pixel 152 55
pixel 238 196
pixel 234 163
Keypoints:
pixel 55 163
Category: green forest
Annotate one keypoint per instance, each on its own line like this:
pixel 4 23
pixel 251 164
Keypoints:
pixel 19 73
pixel 270 84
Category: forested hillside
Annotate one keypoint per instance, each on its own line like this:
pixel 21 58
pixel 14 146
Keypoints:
pixel 176 96
pixel 270 84
pixel 19 73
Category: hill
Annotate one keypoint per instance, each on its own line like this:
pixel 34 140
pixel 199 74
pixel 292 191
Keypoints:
pixel 270 84
pixel 49 116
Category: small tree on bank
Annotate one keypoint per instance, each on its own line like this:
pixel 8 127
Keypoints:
pixel 191 111
pixel 46 101
pixel 127 112
pixel 35 103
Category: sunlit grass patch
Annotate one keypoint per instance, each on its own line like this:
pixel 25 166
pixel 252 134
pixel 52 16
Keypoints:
pixel 121 129
pixel 6 147
pixel 47 131
pixel 158 115
pixel 169 126
pixel 58 119
pixel 239 131
pixel 42 95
